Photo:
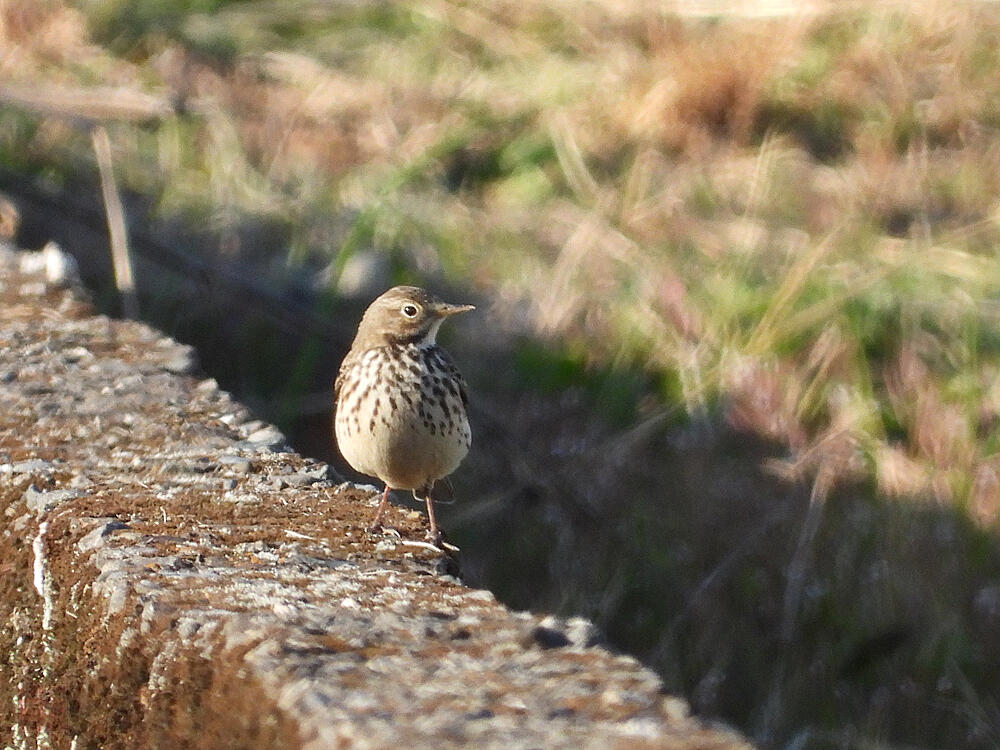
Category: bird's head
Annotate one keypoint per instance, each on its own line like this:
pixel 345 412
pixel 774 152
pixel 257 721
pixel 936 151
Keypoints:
pixel 404 315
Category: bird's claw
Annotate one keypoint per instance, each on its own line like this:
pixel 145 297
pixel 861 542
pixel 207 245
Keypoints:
pixel 436 538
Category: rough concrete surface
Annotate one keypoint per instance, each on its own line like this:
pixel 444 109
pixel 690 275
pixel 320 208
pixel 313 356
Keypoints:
pixel 174 577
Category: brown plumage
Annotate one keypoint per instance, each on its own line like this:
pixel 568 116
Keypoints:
pixel 400 400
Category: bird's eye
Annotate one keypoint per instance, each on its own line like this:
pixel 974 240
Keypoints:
pixel 410 311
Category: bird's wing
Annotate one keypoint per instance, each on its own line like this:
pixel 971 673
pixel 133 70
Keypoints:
pixel 462 388
pixel 455 375
pixel 339 382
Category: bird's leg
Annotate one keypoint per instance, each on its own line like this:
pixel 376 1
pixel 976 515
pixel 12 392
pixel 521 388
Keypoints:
pixel 425 493
pixel 377 523
pixel 433 530
pixel 434 534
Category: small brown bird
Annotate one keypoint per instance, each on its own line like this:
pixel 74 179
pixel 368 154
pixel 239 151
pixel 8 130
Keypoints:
pixel 400 400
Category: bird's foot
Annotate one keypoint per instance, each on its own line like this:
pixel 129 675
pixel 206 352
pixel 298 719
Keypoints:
pixel 436 537
pixel 380 528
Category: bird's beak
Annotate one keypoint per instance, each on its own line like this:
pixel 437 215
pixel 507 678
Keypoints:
pixel 446 310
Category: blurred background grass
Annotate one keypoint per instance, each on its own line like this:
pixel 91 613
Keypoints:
pixel 736 362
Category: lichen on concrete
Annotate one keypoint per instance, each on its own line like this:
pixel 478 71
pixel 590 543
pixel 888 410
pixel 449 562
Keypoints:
pixel 174 576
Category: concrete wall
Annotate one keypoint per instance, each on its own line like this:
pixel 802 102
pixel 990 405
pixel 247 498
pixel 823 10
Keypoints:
pixel 174 577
